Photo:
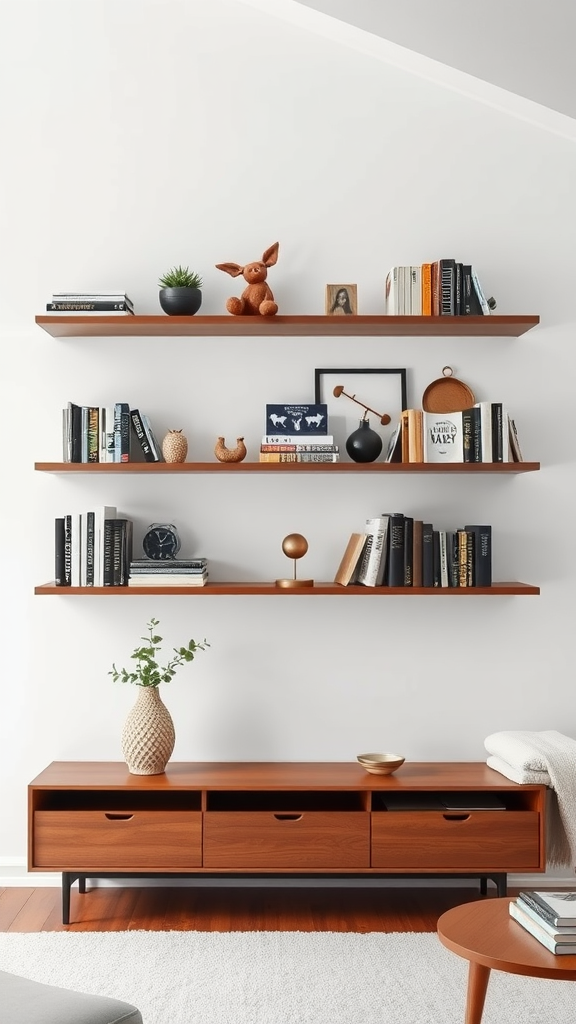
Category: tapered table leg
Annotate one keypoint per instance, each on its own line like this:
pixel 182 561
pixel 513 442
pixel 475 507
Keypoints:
pixel 478 978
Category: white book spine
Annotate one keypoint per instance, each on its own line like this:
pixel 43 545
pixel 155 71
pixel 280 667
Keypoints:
pixel 391 296
pixel 76 550
pixel 416 290
pixel 443 543
pixel 479 292
pixel 297 439
pixel 486 429
pixel 371 572
pixel 101 513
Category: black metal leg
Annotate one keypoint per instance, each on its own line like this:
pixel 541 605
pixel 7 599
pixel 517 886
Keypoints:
pixel 82 883
pixel 67 879
pixel 483 885
pixel 502 884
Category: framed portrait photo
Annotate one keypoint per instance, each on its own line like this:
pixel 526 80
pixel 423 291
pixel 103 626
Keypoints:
pixel 341 300
pixel 384 391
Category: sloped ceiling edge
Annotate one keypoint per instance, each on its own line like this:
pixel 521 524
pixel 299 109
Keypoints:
pixel 430 70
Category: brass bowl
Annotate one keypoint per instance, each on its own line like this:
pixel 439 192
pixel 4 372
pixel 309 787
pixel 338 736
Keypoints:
pixel 381 764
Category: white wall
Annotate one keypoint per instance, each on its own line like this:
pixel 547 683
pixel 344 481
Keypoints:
pixel 139 135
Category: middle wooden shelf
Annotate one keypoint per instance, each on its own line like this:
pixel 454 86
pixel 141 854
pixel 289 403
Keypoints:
pixel 286 467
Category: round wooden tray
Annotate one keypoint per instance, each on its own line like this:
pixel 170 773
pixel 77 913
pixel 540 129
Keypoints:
pixel 447 394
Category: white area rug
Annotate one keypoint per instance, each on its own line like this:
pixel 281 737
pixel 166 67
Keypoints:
pixel 280 977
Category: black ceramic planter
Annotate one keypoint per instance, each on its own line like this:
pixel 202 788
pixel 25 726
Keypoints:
pixel 180 301
pixel 364 444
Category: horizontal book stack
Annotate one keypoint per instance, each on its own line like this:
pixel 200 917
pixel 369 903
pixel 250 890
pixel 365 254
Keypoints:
pixel 483 433
pixel 107 434
pixel 442 288
pixel 550 917
pixel 92 549
pixel 397 550
pixel 297 433
pixel 94 303
pixel 168 572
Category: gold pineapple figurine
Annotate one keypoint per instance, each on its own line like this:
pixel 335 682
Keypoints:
pixel 175 446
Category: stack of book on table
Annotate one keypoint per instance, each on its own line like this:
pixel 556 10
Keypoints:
pixel 107 303
pixel 168 572
pixel 550 917
pixel 297 433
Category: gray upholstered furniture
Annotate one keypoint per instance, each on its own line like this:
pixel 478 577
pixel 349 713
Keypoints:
pixel 29 1002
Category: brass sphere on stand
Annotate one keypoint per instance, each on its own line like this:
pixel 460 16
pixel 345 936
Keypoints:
pixel 294 546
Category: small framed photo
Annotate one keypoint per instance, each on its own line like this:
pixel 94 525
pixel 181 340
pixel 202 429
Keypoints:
pixel 341 300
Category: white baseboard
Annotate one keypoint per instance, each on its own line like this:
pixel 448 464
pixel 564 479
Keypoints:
pixel 15 874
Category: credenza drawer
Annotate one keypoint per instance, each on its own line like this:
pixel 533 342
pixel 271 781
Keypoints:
pixel 477 840
pixel 117 839
pixel 313 839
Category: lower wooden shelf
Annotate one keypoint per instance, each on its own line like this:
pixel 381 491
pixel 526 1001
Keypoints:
pixel 269 589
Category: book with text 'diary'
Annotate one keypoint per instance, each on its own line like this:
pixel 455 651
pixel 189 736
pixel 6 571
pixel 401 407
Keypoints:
pixel 443 437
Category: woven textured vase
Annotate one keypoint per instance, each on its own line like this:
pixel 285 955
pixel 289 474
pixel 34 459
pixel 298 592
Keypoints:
pixel 148 735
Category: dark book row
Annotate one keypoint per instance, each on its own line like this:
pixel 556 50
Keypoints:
pixel 397 550
pixel 107 434
pixel 92 549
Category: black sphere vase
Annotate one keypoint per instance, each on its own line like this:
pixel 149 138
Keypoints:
pixel 364 444
pixel 180 301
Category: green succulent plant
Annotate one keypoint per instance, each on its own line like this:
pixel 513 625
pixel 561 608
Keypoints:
pixel 180 277
pixel 148 672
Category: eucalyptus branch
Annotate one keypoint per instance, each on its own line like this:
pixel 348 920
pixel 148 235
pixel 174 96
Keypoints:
pixel 148 672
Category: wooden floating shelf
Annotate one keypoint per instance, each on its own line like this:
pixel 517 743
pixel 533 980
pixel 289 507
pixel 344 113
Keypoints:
pixel 83 325
pixel 269 589
pixel 286 467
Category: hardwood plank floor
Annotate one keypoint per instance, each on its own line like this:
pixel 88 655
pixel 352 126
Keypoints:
pixel 224 908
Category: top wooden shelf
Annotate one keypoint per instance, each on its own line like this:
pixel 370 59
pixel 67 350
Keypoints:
pixel 86 326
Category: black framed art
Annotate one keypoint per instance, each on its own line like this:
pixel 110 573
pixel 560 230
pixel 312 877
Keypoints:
pixel 381 390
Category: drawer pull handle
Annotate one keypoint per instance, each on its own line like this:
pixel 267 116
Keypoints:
pixel 117 817
pixel 288 817
pixel 456 817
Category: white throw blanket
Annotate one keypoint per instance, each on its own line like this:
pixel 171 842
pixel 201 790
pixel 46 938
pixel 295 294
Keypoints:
pixel 549 759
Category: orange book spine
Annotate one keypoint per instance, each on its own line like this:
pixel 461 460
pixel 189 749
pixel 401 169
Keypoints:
pixel 426 289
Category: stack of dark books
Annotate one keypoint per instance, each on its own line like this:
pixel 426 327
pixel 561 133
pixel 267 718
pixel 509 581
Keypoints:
pixel 168 572
pixel 550 917
pixel 107 303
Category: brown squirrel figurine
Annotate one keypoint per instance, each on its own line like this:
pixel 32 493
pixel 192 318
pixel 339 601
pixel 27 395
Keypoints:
pixel 256 299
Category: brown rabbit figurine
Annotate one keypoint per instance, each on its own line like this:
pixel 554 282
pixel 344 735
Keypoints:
pixel 256 299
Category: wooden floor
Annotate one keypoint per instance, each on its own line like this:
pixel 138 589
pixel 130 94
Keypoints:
pixel 307 909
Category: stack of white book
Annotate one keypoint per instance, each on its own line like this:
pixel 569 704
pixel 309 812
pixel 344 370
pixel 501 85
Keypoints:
pixel 168 572
pixel 106 303
pixel 550 917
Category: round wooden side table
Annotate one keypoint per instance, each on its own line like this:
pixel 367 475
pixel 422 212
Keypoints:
pixel 484 933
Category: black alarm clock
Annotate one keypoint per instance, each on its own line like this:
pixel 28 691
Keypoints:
pixel 161 540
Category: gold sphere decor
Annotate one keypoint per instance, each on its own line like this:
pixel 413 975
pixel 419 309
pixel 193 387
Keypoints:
pixel 294 546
